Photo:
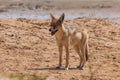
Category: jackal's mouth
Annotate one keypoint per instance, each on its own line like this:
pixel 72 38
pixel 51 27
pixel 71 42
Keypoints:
pixel 53 32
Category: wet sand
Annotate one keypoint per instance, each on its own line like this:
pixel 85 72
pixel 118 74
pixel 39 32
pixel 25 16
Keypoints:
pixel 107 9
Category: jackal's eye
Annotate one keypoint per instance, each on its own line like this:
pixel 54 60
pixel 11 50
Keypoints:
pixel 51 24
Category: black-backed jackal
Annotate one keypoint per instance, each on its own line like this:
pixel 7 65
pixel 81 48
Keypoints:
pixel 65 36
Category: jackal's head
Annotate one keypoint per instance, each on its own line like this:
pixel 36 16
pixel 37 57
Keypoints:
pixel 55 24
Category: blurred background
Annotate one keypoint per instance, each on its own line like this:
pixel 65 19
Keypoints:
pixel 40 9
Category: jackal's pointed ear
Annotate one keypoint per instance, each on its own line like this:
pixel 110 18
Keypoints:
pixel 52 17
pixel 60 20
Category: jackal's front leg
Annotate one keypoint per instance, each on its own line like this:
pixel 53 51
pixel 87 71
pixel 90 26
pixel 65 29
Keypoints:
pixel 67 58
pixel 60 56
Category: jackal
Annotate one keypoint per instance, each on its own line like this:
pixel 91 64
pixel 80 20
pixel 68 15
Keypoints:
pixel 66 36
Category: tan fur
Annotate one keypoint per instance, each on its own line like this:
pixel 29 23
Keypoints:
pixel 66 36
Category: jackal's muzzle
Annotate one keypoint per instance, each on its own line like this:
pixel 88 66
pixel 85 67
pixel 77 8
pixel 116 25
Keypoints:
pixel 53 31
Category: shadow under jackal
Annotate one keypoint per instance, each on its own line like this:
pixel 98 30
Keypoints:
pixel 66 36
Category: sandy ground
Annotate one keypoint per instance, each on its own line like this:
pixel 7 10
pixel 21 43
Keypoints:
pixel 27 48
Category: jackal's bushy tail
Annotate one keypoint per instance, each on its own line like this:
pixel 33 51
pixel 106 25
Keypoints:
pixel 86 51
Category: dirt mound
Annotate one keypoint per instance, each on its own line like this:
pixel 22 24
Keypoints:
pixel 26 47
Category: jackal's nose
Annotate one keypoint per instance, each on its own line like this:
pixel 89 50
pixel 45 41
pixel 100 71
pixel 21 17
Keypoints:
pixel 50 30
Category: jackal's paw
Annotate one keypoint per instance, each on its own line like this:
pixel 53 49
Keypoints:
pixel 58 67
pixel 66 68
pixel 80 67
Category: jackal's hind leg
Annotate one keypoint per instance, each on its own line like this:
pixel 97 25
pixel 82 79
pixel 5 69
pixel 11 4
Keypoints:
pixel 77 49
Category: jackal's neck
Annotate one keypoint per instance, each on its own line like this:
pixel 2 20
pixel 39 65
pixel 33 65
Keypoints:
pixel 60 32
